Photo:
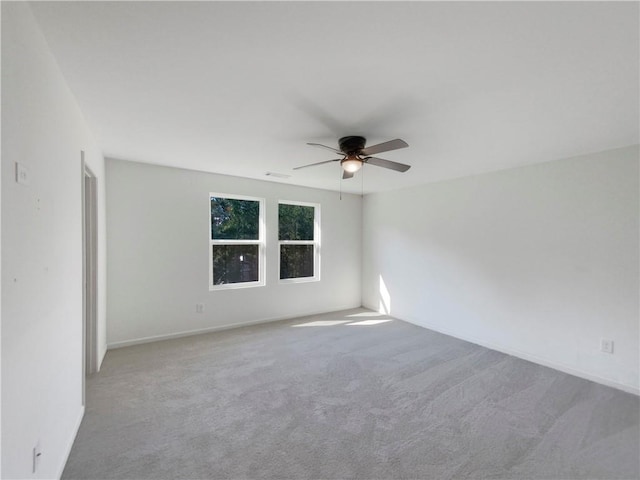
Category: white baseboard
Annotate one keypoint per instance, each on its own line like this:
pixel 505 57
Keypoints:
pixel 217 328
pixel 70 443
pixel 532 358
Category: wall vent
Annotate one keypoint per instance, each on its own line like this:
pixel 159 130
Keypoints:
pixel 277 175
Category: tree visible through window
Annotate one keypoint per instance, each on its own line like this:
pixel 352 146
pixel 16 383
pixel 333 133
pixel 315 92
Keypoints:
pixel 236 240
pixel 297 234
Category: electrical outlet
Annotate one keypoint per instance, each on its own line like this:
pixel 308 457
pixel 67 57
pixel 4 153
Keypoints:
pixel 37 453
pixel 606 346
pixel 199 307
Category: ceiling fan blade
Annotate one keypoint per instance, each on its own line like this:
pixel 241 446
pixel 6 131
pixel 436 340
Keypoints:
pixel 324 146
pixel 346 174
pixel 381 162
pixel 384 147
pixel 318 163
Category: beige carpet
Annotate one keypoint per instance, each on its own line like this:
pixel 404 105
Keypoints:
pixel 348 395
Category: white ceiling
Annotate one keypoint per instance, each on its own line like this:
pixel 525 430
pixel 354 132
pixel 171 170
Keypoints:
pixel 239 87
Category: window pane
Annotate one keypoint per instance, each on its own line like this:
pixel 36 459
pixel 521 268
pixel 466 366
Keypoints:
pixel 233 219
pixel 296 261
pixel 235 264
pixel 295 222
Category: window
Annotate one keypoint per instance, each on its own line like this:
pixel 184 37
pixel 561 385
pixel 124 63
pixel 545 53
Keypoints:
pixel 237 242
pixel 299 241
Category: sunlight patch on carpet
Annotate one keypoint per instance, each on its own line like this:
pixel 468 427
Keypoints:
pixel 370 322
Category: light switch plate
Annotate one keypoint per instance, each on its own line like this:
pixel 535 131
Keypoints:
pixel 22 174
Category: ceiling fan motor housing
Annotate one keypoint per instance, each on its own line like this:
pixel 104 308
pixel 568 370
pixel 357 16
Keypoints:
pixel 351 144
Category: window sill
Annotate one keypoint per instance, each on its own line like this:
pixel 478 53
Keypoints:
pixel 298 280
pixel 235 286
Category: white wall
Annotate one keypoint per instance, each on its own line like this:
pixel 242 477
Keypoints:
pixel 540 261
pixel 43 129
pixel 158 224
pixel 0 288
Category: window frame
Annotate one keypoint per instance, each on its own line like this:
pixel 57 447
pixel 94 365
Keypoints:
pixel 315 242
pixel 260 242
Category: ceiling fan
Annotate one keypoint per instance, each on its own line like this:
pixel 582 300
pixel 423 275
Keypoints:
pixel 354 155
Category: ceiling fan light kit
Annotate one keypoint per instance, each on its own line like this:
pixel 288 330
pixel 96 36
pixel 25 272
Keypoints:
pixel 351 164
pixel 355 155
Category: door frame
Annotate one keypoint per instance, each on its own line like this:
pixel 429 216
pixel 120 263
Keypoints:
pixel 89 273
